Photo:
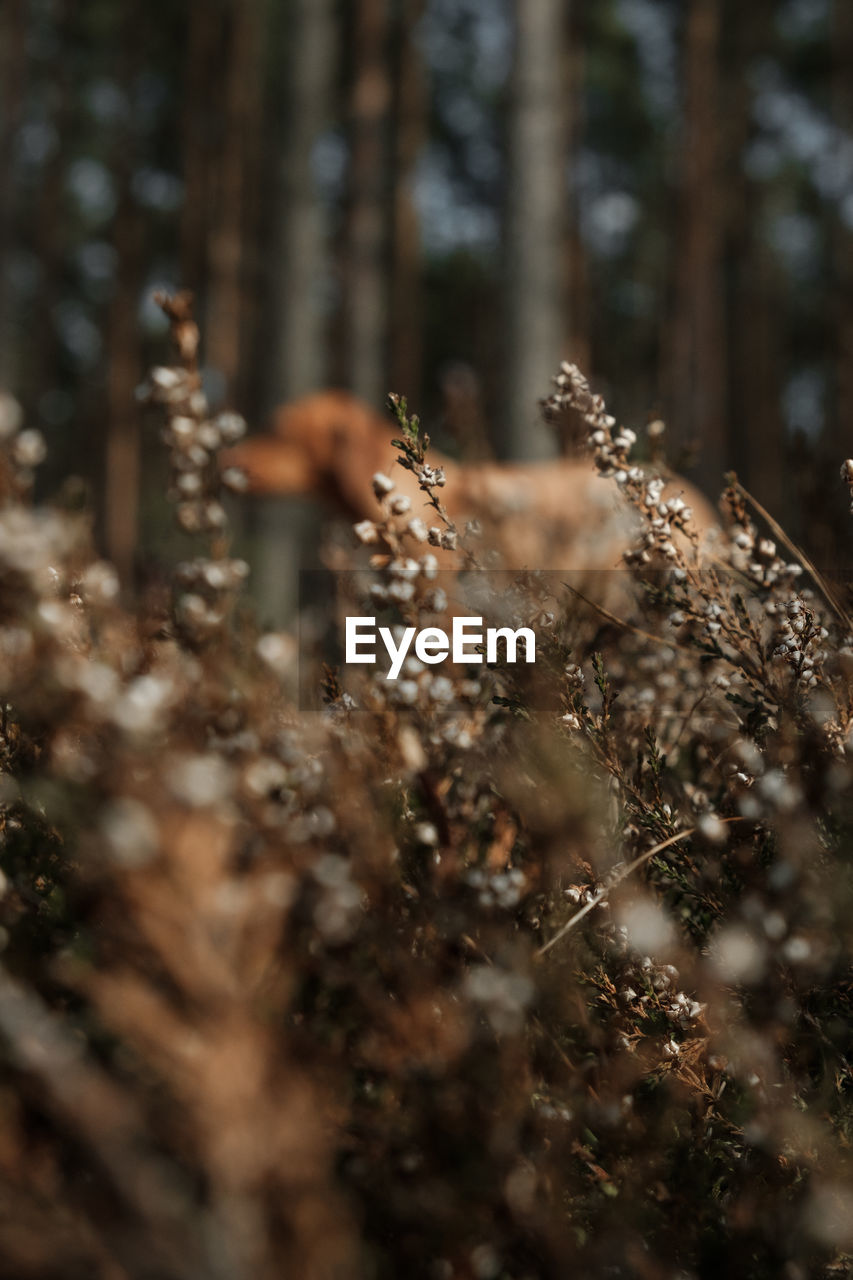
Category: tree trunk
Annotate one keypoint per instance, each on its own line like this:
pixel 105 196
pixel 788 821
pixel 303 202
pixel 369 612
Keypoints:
pixel 50 238
pixel 576 271
pixel 301 271
pixel 200 83
pixel 13 64
pixel 225 311
pixel 756 443
pixel 536 322
pixel 365 302
pixel 410 129
pixel 301 262
pixel 841 416
pixel 570 432
pixel 123 353
pixel 697 355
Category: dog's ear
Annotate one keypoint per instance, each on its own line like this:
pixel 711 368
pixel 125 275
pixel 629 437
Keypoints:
pixel 336 436
pixel 320 418
pixel 356 436
pixel 345 443
pixel 350 424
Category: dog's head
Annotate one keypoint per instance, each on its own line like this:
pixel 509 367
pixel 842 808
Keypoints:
pixel 312 443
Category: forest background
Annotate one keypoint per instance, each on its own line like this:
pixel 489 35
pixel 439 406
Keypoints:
pixel 443 198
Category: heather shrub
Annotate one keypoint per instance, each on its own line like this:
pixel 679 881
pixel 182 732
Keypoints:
pixel 491 971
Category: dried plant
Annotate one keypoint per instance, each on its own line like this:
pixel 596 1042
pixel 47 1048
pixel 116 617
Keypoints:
pixel 486 972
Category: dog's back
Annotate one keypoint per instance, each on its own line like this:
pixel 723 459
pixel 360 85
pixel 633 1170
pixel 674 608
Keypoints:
pixel 557 515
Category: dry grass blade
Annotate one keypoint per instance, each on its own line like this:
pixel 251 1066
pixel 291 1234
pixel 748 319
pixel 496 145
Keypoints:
pixel 815 574
pixel 602 893
pixel 621 623
pixel 623 875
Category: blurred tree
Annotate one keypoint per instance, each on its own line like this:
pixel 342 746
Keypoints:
pixel 365 248
pixel 201 77
pixel 840 441
pixel 536 325
pixel 53 232
pixel 409 133
pixel 755 441
pixel 697 357
pixel 576 265
pixel 123 348
pixel 299 249
pixel 241 100
pixel 300 261
pixel 13 67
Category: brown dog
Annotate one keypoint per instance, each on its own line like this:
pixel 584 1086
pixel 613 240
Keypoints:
pixel 556 515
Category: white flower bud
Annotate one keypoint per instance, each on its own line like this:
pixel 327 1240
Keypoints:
pixel 29 448
pixel 401 590
pixel 209 437
pixel 214 515
pixel 235 479
pixel 11 416
pixel 366 532
pixel 166 379
pixel 189 484
pixel 231 427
